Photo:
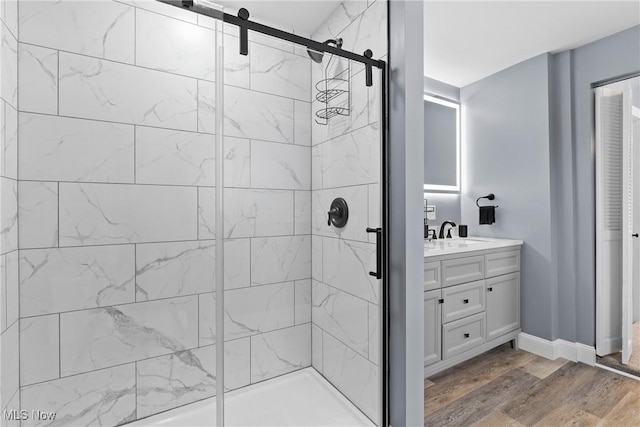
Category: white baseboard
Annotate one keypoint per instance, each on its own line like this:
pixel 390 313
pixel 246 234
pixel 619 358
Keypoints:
pixel 552 350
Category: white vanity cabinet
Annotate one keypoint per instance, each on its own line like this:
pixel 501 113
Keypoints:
pixel 471 303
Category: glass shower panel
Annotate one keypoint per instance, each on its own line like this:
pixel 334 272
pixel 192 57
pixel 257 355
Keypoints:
pixel 301 311
pixel 116 212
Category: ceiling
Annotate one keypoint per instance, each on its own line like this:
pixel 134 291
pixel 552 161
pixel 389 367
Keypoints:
pixel 466 41
pixel 301 16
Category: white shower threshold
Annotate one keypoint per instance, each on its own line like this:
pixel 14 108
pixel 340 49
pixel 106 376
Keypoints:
pixel 301 398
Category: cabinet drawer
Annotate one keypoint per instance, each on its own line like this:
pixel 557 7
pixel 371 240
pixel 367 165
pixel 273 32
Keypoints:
pixel 431 275
pixel 463 335
pixel 463 300
pixel 462 270
pixel 502 263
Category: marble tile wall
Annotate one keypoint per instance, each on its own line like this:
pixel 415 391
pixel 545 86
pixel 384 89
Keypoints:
pixel 9 293
pixel 345 162
pixel 107 238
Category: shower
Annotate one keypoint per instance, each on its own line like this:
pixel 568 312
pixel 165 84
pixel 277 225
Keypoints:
pixel 317 56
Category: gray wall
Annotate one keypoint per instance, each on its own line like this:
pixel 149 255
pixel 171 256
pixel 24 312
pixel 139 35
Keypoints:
pixel 506 152
pixel 405 186
pixel 604 59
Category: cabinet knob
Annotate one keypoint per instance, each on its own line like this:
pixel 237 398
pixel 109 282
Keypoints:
pixel 466 301
pixel 466 335
pixel 490 289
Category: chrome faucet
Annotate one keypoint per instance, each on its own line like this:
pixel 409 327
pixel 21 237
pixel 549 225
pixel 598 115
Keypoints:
pixel 442 228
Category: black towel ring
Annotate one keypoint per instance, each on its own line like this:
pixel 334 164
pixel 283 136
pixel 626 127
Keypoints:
pixel 490 196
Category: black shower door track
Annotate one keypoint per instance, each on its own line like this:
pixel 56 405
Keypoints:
pixel 242 21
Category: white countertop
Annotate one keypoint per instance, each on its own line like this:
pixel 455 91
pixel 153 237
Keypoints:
pixel 468 244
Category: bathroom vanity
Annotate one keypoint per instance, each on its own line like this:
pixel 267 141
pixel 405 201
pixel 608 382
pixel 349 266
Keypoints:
pixel 471 298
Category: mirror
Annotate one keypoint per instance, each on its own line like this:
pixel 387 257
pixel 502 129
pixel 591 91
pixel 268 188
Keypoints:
pixel 441 144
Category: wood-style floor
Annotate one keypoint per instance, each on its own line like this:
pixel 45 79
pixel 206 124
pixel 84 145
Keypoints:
pixel 506 387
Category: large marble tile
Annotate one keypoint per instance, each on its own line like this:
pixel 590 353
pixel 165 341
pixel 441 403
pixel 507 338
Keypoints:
pixel 9 15
pixel 256 115
pixel 206 213
pixel 280 73
pixel 257 213
pixel 342 315
pixel 316 347
pixel 57 280
pixel 343 15
pixel 346 266
pixel 280 166
pixel 8 67
pixel 236 66
pixel 12 405
pixel 62 149
pixel 303 301
pixel 316 257
pixel 103 29
pixel 374 333
pixel 163 9
pixel 114 213
pixel 8 215
pixel 352 374
pixel 316 167
pixel 38 79
pixel 166 270
pixel 237 162
pixel 352 159
pixel 3 292
pixel 168 44
pixel 258 309
pixel 8 141
pixel 103 337
pixel 359 101
pixel 375 209
pixel 237 363
pixel 106 397
pixel 207 333
pixel 302 212
pixel 12 287
pixel 357 201
pixel 279 259
pixel 302 128
pixel 206 106
pixel 39 349
pixel 280 352
pixel 368 31
pixel 98 89
pixel 174 157
pixel 38 213
pixel 174 380
pixel 237 263
pixel 9 363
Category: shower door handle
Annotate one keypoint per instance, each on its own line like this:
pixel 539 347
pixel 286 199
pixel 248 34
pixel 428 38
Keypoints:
pixel 378 273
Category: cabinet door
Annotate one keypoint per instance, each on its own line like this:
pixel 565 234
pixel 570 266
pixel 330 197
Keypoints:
pixel 432 328
pixel 431 275
pixel 503 304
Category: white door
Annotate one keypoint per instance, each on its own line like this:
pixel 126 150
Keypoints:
pixel 627 226
pixel 609 177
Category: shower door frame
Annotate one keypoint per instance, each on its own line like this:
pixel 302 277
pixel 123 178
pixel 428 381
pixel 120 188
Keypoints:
pixel 382 256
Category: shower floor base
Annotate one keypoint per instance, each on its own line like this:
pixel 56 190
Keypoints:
pixel 302 398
